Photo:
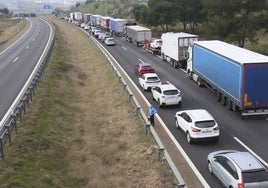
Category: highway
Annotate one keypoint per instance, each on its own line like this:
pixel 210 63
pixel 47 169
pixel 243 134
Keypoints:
pixel 18 61
pixel 236 133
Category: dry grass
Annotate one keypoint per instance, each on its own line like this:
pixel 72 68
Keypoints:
pixel 81 130
pixel 9 29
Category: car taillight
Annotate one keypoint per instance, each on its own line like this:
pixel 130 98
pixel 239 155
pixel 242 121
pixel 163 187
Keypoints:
pixel 195 130
pixel 242 184
pixel 216 128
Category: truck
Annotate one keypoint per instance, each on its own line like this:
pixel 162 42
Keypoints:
pixel 116 26
pixel 95 20
pixel 78 16
pixel 153 46
pixel 105 22
pixel 87 18
pixel 238 76
pixel 137 34
pixel 174 47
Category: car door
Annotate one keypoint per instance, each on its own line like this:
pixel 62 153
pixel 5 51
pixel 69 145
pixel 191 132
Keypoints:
pixel 155 92
pixel 141 80
pixel 184 121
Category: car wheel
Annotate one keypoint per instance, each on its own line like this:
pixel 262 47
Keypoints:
pixel 159 103
pixel 210 167
pixel 189 138
pixel 177 124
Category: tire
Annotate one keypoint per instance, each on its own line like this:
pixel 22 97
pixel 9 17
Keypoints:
pixel 223 100
pixel 159 103
pixel 218 96
pixel 210 170
pixel 189 138
pixel 177 124
pixel 229 104
pixel 199 82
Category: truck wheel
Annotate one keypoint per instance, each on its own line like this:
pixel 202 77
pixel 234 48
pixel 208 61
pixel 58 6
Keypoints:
pixel 199 82
pixel 223 100
pixel 189 75
pixel 218 96
pixel 229 104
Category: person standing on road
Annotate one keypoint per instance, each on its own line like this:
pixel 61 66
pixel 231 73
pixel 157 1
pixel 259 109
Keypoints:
pixel 152 112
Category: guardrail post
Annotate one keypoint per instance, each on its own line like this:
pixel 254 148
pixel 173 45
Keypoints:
pixel 2 147
pixel 9 134
pixel 160 150
pixel 147 126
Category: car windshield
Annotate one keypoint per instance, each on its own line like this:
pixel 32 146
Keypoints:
pixel 255 176
pixel 205 124
pixel 110 40
pixel 171 92
pixel 152 78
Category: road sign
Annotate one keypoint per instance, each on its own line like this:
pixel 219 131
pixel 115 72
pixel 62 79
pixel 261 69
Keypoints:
pixel 47 6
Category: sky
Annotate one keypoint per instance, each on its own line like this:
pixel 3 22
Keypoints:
pixel 37 4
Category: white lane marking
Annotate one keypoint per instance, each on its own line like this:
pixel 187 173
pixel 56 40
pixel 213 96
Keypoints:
pixel 141 60
pixel 15 59
pixel 27 47
pixel 252 152
pixel 124 48
pixel 33 39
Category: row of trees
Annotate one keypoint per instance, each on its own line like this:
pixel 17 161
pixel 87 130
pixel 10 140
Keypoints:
pixel 229 20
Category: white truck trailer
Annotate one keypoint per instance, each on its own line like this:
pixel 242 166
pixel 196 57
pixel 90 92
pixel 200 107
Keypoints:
pixel 174 47
pixel 137 34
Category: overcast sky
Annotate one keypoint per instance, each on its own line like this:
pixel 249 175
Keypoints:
pixel 15 4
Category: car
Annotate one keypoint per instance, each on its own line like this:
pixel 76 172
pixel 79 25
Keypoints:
pixel 105 36
pixel 109 41
pixel 100 35
pixel 237 169
pixel 166 94
pixel 86 27
pixel 198 124
pixel 82 25
pixel 143 68
pixel 149 80
pixel 96 33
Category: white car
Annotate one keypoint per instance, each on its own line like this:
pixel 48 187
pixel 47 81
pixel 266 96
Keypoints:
pixel 166 94
pixel 109 41
pixel 87 27
pixel 197 124
pixel 149 80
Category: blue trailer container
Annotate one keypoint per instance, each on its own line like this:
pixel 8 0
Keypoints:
pixel 117 26
pixel 239 76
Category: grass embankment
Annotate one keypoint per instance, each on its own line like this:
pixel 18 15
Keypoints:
pixel 80 129
pixel 9 28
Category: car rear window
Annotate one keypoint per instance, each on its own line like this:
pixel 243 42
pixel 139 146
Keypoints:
pixel 152 78
pixel 255 176
pixel 205 124
pixel 146 67
pixel 171 92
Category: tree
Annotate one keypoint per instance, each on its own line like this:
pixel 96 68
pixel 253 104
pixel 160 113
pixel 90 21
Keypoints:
pixel 160 13
pixel 4 10
pixel 190 13
pixel 234 20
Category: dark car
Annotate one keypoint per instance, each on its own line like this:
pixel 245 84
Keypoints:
pixel 143 68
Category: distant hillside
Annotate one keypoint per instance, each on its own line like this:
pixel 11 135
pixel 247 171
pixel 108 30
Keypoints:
pixel 115 9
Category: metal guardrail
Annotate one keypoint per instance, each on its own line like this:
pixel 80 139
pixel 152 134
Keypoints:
pixel 140 111
pixel 9 121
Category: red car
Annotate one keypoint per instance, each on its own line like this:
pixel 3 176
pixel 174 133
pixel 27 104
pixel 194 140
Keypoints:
pixel 143 68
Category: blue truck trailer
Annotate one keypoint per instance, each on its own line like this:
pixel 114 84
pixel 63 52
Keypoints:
pixel 238 76
pixel 117 26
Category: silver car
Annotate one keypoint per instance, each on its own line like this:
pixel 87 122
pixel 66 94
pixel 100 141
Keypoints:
pixel 237 169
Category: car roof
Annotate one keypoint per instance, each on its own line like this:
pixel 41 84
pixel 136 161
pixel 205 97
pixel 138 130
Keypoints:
pixel 167 86
pixel 199 114
pixel 245 160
